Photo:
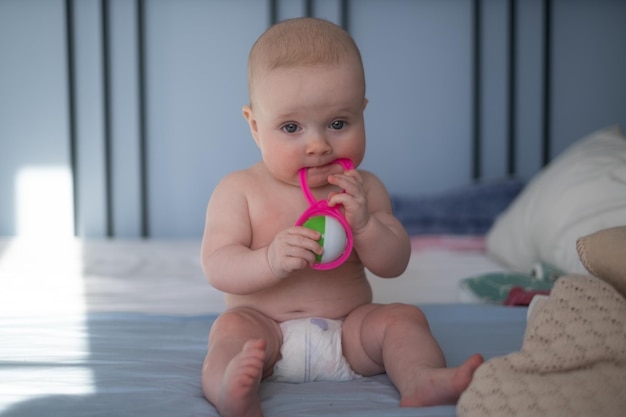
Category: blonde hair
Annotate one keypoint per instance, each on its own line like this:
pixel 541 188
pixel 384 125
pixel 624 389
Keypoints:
pixel 302 42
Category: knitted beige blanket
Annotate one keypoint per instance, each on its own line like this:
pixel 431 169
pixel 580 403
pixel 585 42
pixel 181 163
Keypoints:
pixel 572 361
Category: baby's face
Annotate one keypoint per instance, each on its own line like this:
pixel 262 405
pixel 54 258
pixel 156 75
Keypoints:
pixel 308 117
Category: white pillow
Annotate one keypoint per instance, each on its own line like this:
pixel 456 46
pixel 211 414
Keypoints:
pixel 580 192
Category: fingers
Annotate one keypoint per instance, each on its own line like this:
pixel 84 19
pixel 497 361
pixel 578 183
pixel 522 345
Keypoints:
pixel 354 193
pixel 353 199
pixel 350 181
pixel 292 249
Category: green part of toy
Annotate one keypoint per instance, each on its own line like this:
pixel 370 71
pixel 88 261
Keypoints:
pixel 333 238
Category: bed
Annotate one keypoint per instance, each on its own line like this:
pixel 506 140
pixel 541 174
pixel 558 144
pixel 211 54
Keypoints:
pixel 119 327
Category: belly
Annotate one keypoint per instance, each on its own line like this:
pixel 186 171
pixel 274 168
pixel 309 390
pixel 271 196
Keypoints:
pixel 310 293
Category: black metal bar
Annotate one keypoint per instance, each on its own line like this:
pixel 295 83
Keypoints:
pixel 308 8
pixel 273 8
pixel 71 101
pixel 106 97
pixel 547 82
pixel 476 93
pixel 143 139
pixel 345 15
pixel 512 93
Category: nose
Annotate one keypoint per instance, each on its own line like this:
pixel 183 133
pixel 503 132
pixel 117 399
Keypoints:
pixel 318 145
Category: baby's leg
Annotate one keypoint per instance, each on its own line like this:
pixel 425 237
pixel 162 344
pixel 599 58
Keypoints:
pixel 396 339
pixel 243 344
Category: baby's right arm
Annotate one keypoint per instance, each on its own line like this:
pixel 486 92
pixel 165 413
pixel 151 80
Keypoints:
pixel 228 259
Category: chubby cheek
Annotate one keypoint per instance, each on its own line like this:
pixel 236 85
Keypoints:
pixel 353 148
pixel 282 162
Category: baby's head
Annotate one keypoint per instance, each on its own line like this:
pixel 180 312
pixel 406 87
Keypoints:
pixel 306 82
pixel 302 42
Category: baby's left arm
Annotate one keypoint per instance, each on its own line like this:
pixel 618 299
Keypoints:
pixel 379 238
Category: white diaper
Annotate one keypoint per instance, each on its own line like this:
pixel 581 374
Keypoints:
pixel 311 351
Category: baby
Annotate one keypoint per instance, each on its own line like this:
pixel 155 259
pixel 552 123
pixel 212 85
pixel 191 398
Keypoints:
pixel 307 98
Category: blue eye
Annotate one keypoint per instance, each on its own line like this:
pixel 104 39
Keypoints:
pixel 290 128
pixel 337 124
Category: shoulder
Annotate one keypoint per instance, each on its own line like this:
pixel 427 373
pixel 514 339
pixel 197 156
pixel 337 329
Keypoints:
pixel 377 194
pixel 239 181
pixel 371 181
pixel 235 188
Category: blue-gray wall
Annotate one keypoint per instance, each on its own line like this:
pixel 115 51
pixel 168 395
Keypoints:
pixel 419 66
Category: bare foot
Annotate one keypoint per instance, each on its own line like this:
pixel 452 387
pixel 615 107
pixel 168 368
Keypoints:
pixel 239 395
pixel 443 385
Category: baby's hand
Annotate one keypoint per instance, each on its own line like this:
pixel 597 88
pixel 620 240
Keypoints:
pixel 353 198
pixel 292 249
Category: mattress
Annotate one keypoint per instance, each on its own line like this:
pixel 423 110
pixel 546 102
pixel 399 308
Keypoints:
pixel 94 328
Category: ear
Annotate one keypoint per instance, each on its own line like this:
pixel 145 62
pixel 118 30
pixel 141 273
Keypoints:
pixel 248 114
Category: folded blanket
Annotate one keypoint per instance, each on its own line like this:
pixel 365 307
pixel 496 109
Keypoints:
pixel 572 362
pixel 503 287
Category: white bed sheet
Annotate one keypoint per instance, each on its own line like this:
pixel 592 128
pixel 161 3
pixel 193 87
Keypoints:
pixel 433 277
pixel 165 277
pixel 68 276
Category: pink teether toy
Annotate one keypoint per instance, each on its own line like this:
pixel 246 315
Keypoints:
pixel 337 239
